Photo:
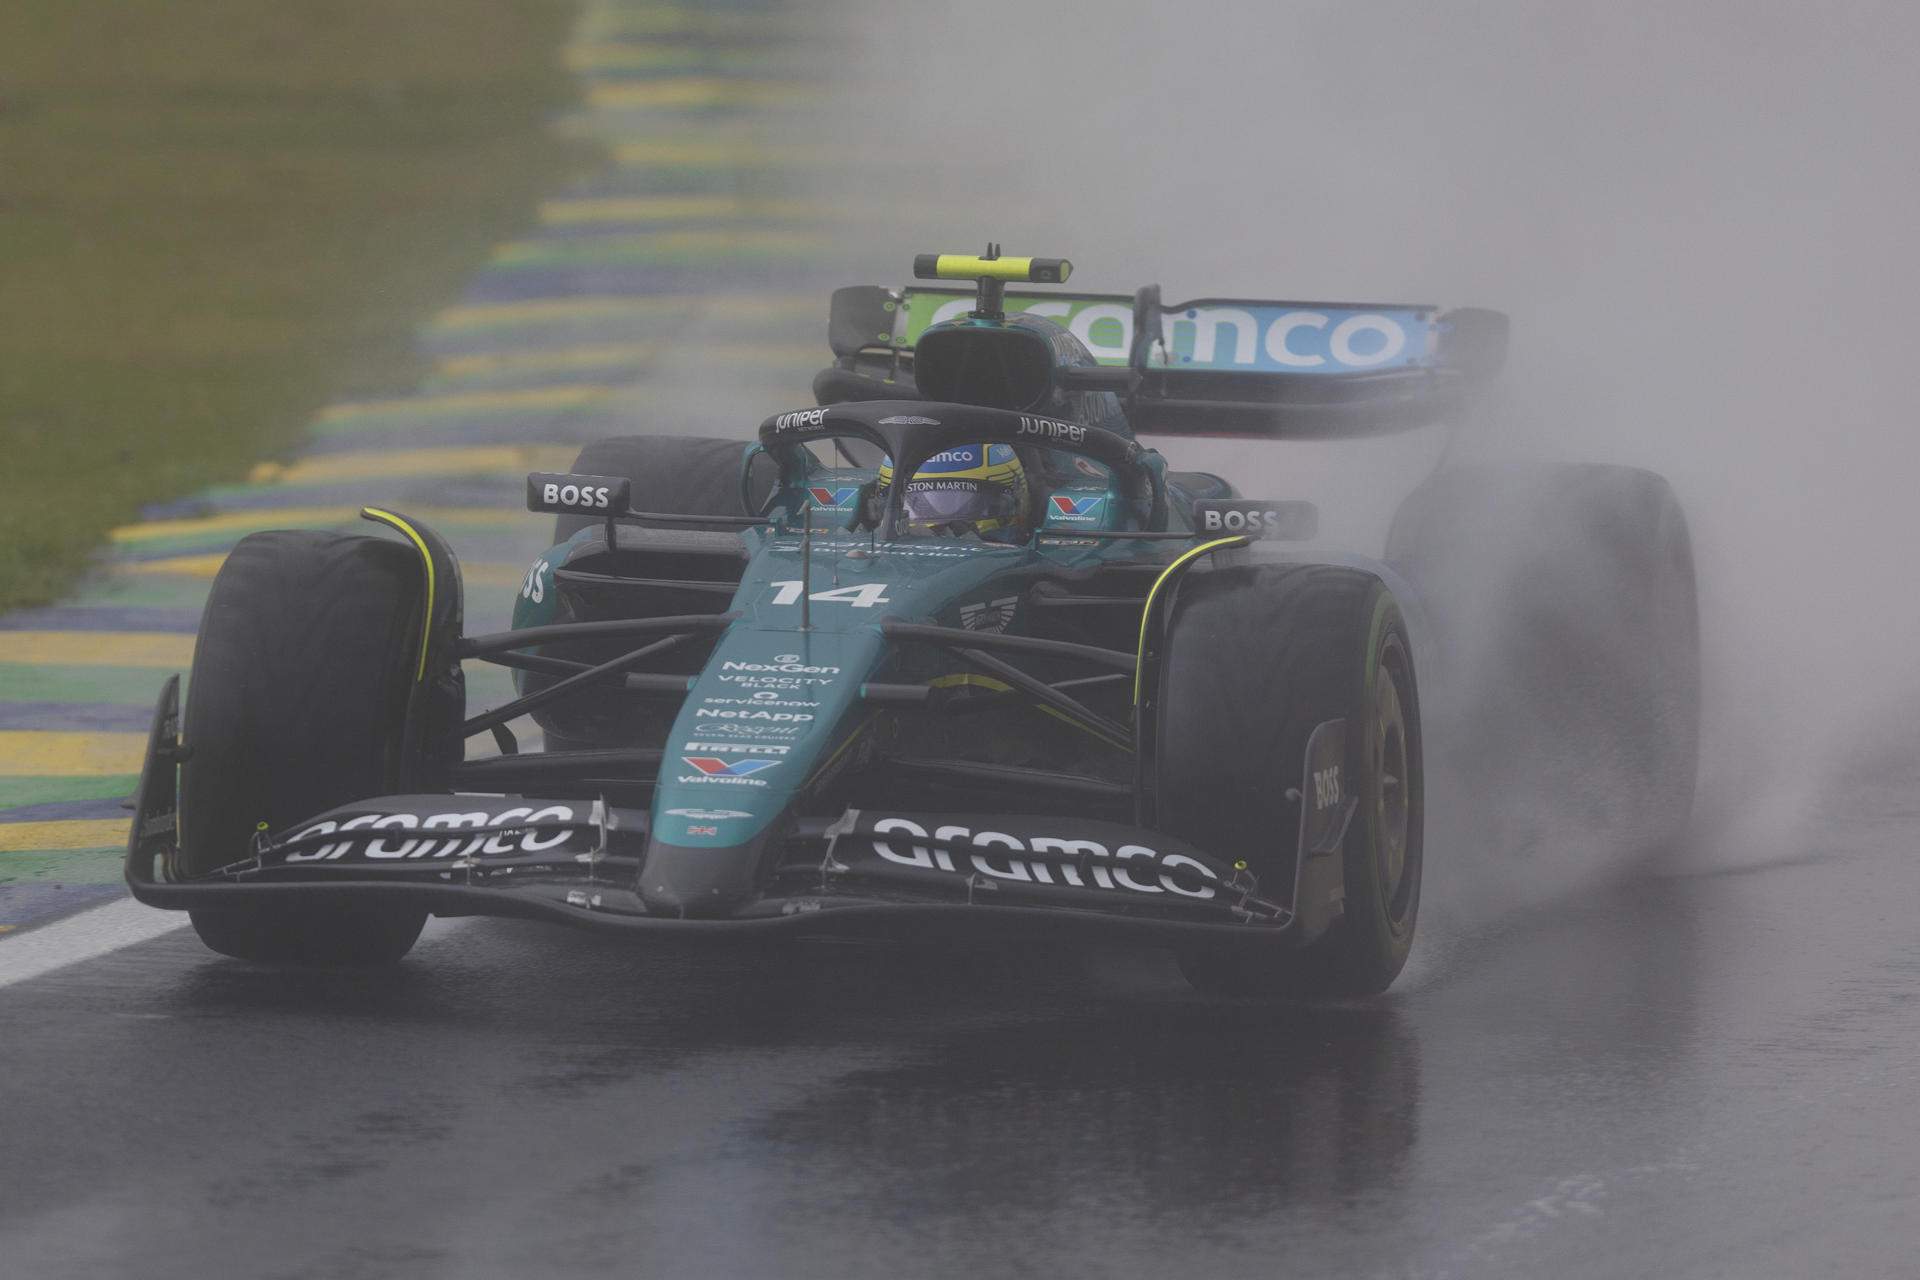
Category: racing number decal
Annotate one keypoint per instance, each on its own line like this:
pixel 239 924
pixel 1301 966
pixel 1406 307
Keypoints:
pixel 535 587
pixel 864 596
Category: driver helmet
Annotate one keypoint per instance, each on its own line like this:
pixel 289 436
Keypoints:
pixel 971 488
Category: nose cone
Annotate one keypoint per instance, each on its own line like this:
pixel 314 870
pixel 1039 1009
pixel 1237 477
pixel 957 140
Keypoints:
pixel 704 883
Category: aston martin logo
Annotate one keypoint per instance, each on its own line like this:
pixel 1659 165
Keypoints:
pixel 989 615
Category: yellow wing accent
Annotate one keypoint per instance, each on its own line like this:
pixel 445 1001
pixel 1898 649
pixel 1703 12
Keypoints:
pixel 967 266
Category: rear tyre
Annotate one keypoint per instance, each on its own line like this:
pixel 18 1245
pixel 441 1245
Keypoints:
pixel 297 704
pixel 674 475
pixel 1565 604
pixel 1255 659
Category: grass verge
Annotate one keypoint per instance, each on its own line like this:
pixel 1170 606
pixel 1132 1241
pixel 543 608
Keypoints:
pixel 218 215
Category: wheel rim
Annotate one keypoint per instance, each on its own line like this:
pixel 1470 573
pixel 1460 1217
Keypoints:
pixel 1393 794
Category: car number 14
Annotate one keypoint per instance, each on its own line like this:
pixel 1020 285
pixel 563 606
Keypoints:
pixel 864 596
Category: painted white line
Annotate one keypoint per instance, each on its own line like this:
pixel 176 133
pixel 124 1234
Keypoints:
pixel 82 936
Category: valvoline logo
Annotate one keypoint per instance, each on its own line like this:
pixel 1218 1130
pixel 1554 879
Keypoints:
pixel 833 497
pixel 715 767
pixel 1067 508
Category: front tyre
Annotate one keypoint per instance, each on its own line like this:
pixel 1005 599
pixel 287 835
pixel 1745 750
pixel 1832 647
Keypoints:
pixel 298 704
pixel 1257 658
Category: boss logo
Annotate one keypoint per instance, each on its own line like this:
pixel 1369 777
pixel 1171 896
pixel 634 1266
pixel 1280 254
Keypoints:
pixel 1293 521
pixel 573 495
pixel 595 495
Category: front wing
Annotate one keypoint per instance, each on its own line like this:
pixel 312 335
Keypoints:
pixel 862 872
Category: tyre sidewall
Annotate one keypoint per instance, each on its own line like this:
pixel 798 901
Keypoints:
pixel 298 704
pixel 1374 935
pixel 1270 653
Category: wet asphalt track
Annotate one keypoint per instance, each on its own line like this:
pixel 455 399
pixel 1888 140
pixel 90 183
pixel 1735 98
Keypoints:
pixel 1702 1075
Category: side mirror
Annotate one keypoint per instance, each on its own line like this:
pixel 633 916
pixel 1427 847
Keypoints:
pixel 869 507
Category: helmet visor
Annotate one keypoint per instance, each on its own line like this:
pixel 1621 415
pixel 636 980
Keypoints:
pixel 931 502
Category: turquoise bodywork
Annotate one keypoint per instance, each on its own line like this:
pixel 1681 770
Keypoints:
pixel 778 703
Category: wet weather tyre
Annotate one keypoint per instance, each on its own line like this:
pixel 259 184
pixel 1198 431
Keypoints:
pixel 297 704
pixel 1257 657
pixel 1564 599
pixel 674 475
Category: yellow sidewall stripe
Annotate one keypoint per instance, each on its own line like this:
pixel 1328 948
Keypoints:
pixel 426 561
pixel 1146 610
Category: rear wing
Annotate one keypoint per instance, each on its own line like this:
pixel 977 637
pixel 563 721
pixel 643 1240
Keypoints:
pixel 1221 365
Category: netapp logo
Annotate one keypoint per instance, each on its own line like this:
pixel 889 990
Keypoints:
pixel 363 827
pixel 788 717
pixel 1132 867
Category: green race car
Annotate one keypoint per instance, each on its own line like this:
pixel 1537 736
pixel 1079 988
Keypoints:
pixel 948 650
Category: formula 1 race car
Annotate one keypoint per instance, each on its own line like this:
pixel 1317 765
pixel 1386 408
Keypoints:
pixel 948 651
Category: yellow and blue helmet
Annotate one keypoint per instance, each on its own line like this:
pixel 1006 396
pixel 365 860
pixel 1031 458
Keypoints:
pixel 971 488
